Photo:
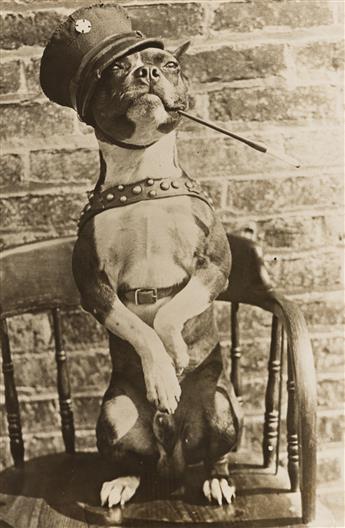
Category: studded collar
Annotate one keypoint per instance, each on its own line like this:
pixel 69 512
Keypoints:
pixel 149 189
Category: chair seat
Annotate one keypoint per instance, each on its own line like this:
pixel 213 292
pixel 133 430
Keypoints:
pixel 63 491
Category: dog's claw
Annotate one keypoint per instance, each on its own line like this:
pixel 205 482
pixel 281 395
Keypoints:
pixel 217 489
pixel 119 491
pixel 227 491
pixel 114 497
pixel 207 490
pixel 105 492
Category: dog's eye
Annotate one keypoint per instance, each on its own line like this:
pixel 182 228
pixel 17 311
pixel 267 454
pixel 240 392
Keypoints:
pixel 172 64
pixel 116 66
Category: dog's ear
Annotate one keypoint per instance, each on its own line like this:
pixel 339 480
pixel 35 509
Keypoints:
pixel 181 50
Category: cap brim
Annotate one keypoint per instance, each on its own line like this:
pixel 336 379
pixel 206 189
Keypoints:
pixel 139 46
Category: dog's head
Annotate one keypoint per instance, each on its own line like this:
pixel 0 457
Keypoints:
pixel 119 81
pixel 138 97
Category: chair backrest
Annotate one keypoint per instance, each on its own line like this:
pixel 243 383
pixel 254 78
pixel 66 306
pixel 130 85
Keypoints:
pixel 37 276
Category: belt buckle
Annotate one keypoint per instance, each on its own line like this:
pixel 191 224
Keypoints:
pixel 145 296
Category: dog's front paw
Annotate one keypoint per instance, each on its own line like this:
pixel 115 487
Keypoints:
pixel 173 341
pixel 119 491
pixel 162 386
pixel 217 489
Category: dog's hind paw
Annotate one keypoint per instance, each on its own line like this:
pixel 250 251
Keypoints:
pixel 119 491
pixel 217 489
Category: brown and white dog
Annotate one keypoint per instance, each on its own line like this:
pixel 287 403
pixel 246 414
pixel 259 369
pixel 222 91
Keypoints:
pixel 149 271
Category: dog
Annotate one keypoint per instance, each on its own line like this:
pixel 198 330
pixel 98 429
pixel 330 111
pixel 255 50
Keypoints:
pixel 150 259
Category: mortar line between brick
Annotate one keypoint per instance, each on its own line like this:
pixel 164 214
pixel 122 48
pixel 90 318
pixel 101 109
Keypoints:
pixel 56 186
pixel 52 434
pixel 248 128
pixel 71 354
pixel 124 3
pixel 225 341
pixel 335 412
pixel 208 15
pixel 278 82
pixel 330 448
pixel 88 141
pixel 281 34
pixel 307 171
pixel 53 396
pixel 220 39
pixel 273 82
pixel 325 211
pixel 224 193
pixel 291 293
pixel 255 127
pixel 29 9
pixel 313 335
pixel 289 254
pixel 316 294
pixel 46 191
pixel 329 489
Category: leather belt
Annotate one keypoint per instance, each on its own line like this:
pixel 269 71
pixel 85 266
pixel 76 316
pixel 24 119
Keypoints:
pixel 150 295
pixel 149 189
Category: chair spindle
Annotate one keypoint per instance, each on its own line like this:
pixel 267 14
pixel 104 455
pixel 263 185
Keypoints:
pixel 272 398
pixel 64 389
pixel 235 352
pixel 292 430
pixel 11 399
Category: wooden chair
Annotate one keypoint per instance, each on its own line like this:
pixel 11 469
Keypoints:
pixel 37 277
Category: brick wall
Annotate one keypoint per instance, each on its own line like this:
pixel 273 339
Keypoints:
pixel 270 69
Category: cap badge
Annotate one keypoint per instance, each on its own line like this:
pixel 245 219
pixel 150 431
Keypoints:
pixel 83 25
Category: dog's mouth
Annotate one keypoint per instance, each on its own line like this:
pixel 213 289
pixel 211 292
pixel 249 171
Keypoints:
pixel 151 97
pixel 175 109
pixel 171 109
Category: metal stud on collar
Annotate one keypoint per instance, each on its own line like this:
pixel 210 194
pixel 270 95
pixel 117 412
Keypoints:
pixel 165 186
pixel 137 189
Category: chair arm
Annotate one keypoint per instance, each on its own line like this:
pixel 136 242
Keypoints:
pixel 301 357
pixel 249 283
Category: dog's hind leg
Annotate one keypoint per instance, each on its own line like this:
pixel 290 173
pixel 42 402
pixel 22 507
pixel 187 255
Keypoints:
pixel 226 427
pixel 125 438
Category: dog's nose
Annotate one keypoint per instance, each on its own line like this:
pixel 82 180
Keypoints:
pixel 148 73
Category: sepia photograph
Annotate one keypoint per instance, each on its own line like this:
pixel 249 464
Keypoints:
pixel 171 266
